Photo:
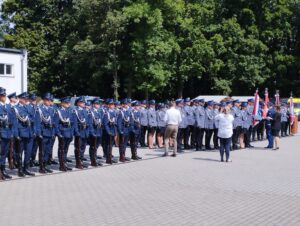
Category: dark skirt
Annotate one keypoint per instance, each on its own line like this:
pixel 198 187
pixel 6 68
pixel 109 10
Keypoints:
pixel 275 132
pixel 161 130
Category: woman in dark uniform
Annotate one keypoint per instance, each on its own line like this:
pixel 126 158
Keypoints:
pixel 276 126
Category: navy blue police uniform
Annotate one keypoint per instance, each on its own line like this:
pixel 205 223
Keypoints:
pixel 123 128
pixel 96 131
pixel 135 130
pixel 7 130
pixel 25 132
pixel 110 131
pixel 82 127
pixel 64 129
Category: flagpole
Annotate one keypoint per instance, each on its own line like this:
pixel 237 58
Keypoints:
pixel 292 115
pixel 277 102
pixel 265 110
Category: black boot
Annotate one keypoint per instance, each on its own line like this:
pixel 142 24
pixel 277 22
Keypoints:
pixel 42 168
pixel 4 173
pixel 20 172
pixel 26 171
pixel 47 169
pixel 68 168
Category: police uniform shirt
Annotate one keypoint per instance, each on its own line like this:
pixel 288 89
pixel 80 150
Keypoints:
pixel 216 123
pixel 152 117
pixel 46 121
pixel 64 122
pixel 144 116
pixel 245 121
pixel 109 122
pixel 160 118
pixel 123 121
pixel 209 118
pixel 96 118
pixel 200 116
pixel 182 124
pixel 27 127
pixel 190 117
pixel 284 116
pixel 135 122
pixel 236 112
pixel 7 122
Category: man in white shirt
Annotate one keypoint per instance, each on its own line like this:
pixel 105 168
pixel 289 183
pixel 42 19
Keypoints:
pixel 172 119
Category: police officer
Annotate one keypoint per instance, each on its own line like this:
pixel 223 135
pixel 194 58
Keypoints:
pixel 237 123
pixel 261 124
pixel 82 124
pixel 102 110
pixel 181 126
pixel 13 100
pixel 51 160
pixel 216 126
pixel 46 130
pixel 135 129
pixel 123 128
pixel 249 111
pixel 26 130
pixel 96 118
pixel 161 124
pixel 190 122
pixel 200 121
pixel 7 131
pixel 209 124
pixel 152 122
pixel 64 130
pixel 270 113
pixel 33 111
pixel 284 119
pixel 144 122
pixel 109 132
pixel 245 124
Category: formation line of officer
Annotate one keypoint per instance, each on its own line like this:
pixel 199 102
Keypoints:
pixel 29 129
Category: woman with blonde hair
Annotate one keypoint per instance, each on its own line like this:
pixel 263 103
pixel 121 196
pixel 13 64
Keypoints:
pixel 225 121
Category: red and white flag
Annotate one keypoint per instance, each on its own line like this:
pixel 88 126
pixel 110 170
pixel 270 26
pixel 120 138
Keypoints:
pixel 256 109
pixel 277 98
pixel 292 114
pixel 265 112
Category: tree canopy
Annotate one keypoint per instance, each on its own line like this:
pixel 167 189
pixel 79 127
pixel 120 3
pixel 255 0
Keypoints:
pixel 156 48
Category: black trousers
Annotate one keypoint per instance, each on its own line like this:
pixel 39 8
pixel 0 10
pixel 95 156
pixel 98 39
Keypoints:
pixel 143 136
pixel 104 144
pixel 193 136
pixel 247 138
pixel 134 139
pixel 284 128
pixel 199 138
pixel 254 132
pixel 179 138
pixel 260 130
pixel 188 133
pixel 236 133
pixel 208 135
pixel 216 138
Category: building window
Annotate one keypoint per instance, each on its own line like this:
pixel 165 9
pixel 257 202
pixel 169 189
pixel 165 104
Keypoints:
pixel 2 69
pixel 6 70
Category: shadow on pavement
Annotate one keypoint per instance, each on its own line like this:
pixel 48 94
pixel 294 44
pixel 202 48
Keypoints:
pixel 207 159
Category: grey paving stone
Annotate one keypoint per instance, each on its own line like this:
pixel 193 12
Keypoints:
pixel 260 187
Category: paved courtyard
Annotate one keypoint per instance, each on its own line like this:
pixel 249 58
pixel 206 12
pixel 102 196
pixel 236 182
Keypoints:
pixel 259 187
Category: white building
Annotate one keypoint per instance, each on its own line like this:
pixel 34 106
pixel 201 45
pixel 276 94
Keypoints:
pixel 13 70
